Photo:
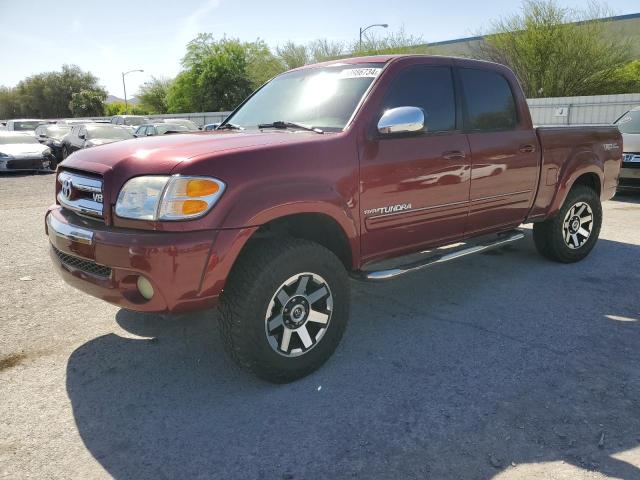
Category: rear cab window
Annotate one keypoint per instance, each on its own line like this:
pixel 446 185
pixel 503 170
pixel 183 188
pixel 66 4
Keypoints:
pixel 489 104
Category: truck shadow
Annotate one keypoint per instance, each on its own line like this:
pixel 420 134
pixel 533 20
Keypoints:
pixel 455 372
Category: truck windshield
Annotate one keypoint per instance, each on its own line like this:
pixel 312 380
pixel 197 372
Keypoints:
pixel 324 97
pixel 629 122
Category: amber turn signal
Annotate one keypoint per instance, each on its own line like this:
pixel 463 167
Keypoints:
pixel 201 188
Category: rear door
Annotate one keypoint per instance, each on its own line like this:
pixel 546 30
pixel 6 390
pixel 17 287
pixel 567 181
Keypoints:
pixel 415 187
pixel 504 156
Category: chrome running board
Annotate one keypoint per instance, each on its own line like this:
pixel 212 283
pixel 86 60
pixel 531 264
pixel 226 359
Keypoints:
pixel 439 257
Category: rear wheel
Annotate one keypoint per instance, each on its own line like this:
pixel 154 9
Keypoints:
pixel 572 233
pixel 284 309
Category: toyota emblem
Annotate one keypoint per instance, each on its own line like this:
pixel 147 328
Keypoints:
pixel 67 188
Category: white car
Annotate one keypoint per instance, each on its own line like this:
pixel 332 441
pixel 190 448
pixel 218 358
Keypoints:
pixel 629 126
pixel 22 151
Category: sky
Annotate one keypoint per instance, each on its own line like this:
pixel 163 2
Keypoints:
pixel 109 37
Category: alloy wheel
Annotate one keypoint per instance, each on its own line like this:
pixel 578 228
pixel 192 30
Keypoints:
pixel 577 225
pixel 299 314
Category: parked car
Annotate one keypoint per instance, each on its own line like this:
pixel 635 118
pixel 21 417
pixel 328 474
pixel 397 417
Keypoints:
pixel 78 121
pixel 27 125
pixel 21 151
pixel 92 134
pixel 210 126
pixel 629 126
pixel 318 176
pixel 151 129
pixel 184 122
pixel 129 121
pixel 51 135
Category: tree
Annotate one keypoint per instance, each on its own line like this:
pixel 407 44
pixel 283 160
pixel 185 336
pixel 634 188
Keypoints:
pixel 262 65
pixel 214 78
pixel 393 43
pixel 49 95
pixel 293 55
pixel 625 79
pixel 118 108
pixel 9 103
pixel 153 95
pixel 87 103
pixel 556 51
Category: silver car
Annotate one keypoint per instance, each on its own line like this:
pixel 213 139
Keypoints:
pixel 629 126
pixel 22 151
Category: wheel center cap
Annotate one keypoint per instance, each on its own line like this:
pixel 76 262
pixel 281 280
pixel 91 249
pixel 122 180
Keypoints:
pixel 575 225
pixel 296 311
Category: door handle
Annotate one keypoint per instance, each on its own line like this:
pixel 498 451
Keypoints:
pixel 454 155
pixel 527 148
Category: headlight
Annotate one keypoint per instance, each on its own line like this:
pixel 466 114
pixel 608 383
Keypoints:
pixel 168 198
pixel 56 143
pixel 46 151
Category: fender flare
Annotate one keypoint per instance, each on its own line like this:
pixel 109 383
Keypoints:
pixel 576 166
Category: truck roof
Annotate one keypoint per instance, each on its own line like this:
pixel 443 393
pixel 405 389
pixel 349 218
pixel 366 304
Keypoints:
pixel 389 58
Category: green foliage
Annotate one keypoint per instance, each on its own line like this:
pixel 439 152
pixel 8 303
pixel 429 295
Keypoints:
pixel 50 95
pixel 394 43
pixel 293 55
pixel 215 76
pixel 9 103
pixel 87 103
pixel 625 79
pixel 153 95
pixel 118 108
pixel 551 54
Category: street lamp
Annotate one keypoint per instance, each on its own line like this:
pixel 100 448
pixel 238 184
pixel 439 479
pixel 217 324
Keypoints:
pixel 124 86
pixel 362 30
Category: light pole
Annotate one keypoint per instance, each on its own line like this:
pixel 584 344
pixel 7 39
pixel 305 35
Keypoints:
pixel 362 30
pixel 124 86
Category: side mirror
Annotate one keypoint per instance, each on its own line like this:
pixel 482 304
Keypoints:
pixel 401 120
pixel 149 134
pixel 82 136
pixel 42 135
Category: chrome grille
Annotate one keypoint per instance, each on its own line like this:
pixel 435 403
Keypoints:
pixel 81 264
pixel 80 193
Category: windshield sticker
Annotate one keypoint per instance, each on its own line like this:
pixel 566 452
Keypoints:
pixel 359 73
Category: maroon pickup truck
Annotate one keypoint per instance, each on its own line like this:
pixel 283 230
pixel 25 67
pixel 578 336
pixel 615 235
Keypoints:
pixel 333 170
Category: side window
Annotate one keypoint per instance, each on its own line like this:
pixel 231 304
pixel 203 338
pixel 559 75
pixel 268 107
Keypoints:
pixel 489 100
pixel 427 87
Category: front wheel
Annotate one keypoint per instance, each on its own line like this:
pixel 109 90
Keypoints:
pixel 284 309
pixel 572 233
pixel 65 152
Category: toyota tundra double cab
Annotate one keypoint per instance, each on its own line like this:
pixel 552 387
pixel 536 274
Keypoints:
pixel 336 170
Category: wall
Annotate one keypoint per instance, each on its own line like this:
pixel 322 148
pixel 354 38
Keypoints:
pixel 593 110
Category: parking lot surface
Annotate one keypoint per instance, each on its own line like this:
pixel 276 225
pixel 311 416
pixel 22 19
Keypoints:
pixel 502 365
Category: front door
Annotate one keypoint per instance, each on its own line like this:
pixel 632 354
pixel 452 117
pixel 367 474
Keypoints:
pixel 414 187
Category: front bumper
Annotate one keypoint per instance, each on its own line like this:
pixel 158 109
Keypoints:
pixel 184 268
pixel 25 164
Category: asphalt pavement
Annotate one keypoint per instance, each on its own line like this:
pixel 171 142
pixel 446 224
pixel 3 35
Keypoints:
pixel 502 365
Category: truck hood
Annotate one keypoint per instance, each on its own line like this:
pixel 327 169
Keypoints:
pixel 160 155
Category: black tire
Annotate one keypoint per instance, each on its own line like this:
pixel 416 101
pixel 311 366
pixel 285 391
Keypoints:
pixel 549 236
pixel 65 152
pixel 248 300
